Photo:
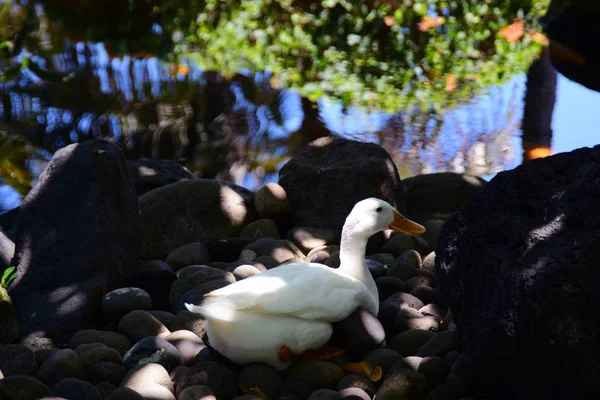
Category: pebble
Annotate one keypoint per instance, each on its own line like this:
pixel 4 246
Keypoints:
pixel 105 388
pixel 357 381
pixel 417 281
pixel 217 377
pixel 386 259
pixel 433 310
pixel 185 273
pixel 404 271
pixel 155 278
pixel 389 285
pixel 260 228
pixel 408 343
pixel 244 271
pixel 402 382
pixel 138 324
pixel 435 369
pixel 197 392
pixel 189 321
pixel 271 201
pixel 152 350
pixel 383 358
pixel 433 228
pixel 263 263
pixel 376 269
pixel 196 295
pixel 308 238
pixel 62 364
pixel 409 318
pixel 150 380
pixel 321 254
pixel 260 376
pixel 20 387
pixel 429 263
pixel 334 260
pixel 115 340
pixel 165 317
pixel 325 394
pixel 187 343
pixel 34 343
pixel 72 388
pixel 439 345
pixel 42 355
pixel 189 254
pixel 292 390
pixel 412 362
pixel 358 333
pixel 399 243
pixel 248 256
pixel 91 353
pixel 411 257
pixel 316 373
pixel 280 250
pixel 106 371
pixel 17 359
pixel 354 393
pixel 426 294
pixel 124 393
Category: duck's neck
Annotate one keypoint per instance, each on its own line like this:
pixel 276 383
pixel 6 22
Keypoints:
pixel 352 258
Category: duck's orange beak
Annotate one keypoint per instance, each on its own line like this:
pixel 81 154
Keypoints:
pixel 403 224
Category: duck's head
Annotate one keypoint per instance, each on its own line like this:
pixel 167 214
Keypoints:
pixel 373 215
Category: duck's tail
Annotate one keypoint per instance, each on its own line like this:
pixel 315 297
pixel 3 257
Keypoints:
pixel 212 312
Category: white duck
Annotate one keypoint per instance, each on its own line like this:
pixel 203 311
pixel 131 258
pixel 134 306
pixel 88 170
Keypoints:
pixel 288 310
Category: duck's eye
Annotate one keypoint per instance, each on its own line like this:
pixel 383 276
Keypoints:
pixel 379 209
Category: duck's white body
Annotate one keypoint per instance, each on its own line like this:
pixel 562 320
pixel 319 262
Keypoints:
pixel 294 305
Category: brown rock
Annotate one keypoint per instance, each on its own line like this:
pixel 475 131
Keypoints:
pixel 271 201
pixel 244 271
pixel 307 238
pixel 187 343
pixel 325 394
pixel 316 373
pixel 90 354
pixel 261 376
pixel 111 339
pixel 261 228
pixel 117 303
pixel 357 382
pixel 409 342
pixel 22 388
pixel 194 253
pixel 150 380
pixel 217 377
pixel 410 318
pixel 62 364
pixel 189 321
pixel 404 381
pixel 138 324
pixel 197 392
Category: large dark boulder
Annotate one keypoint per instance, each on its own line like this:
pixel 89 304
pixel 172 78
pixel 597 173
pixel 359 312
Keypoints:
pixel 193 210
pixel 148 174
pixel 79 231
pixel 434 196
pixel 330 175
pixel 519 266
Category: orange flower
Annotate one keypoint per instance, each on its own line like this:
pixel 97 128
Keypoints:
pixel 427 23
pixel 451 84
pixel 513 32
pixel 389 20
pixel 538 37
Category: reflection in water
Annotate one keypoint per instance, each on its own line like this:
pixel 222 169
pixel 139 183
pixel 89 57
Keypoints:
pixel 239 125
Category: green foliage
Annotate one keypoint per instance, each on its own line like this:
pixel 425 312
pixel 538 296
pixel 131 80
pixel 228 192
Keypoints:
pixel 8 277
pixel 364 53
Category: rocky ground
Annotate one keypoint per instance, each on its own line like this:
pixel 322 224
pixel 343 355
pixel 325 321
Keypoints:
pixel 138 341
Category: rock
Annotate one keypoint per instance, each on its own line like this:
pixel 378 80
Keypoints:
pixel 22 388
pixel 193 210
pixel 389 285
pixel 439 345
pixel 244 271
pixel 197 392
pixel 16 359
pixel 72 388
pixel 452 357
pixel 177 373
pixel 417 281
pixel 186 272
pixel 429 263
pixel 150 380
pixel 316 180
pixel 119 302
pixel 260 376
pixel 189 321
pixel 307 238
pixel 402 382
pixel 321 254
pixel 152 350
pixel 165 317
pixel 35 343
pixel 90 354
pixel 376 269
pixel 359 333
pixel 294 390
pixel 138 324
pixel 411 362
pixel 537 279
pixel 424 293
pixel 195 253
pixel 324 394
pixel 196 295
pixel 316 373
pixel 111 339
pixel 148 174
pixel 388 310
pixel 155 278
pixel 430 196
pixel 433 228
pixel 61 364
pixel 404 271
pixel 271 201
pixel 399 243
pixel 410 318
pixel 187 343
pixel 433 310
pixel 408 343
pixel 203 275
pixel 386 259
pixel 105 388
pixel 84 195
pixel 382 358
pixel 354 394
pixel 42 355
pixel 261 228
pixel 334 260
pixel 227 249
pixel 7 250
pixel 106 371
pixel 9 329
pixel 435 369
pixel 217 377
pixel 124 393
pixel 357 382
pixel 280 250
pixel 248 256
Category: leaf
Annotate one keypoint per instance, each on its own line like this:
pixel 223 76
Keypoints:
pixel 8 277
